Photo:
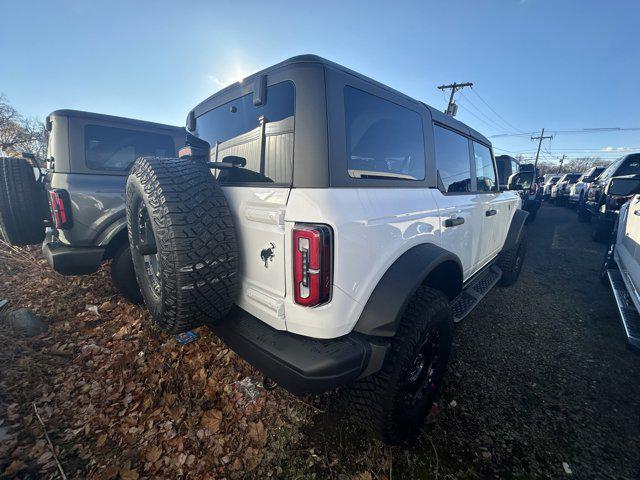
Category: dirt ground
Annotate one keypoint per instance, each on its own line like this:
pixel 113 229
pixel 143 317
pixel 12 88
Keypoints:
pixel 541 386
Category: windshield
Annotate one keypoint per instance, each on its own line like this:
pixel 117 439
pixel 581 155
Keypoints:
pixel 630 166
pixel 573 178
pixel 261 135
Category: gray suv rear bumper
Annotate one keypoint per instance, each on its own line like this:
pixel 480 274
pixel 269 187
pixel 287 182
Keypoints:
pixel 68 260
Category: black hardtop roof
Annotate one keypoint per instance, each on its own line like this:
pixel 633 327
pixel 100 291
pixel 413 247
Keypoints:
pixel 437 115
pixel 111 118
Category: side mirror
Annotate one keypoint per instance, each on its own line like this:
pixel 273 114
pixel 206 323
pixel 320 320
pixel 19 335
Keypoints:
pixel 516 186
pixel 235 161
pixel 623 187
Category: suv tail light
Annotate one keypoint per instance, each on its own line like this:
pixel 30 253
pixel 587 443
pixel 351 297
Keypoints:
pixel 312 264
pixel 61 208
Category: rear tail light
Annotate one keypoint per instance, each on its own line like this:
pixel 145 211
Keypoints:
pixel 61 208
pixel 312 264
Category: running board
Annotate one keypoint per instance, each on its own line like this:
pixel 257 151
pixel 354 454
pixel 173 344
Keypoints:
pixel 474 291
pixel 628 312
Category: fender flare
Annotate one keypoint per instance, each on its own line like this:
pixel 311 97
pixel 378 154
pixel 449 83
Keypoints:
pixel 383 311
pixel 515 229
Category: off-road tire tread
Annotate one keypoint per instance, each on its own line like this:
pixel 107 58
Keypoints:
pixel 507 260
pixel 22 202
pixel 372 398
pixel 196 241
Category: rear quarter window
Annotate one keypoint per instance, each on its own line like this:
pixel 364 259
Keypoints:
pixel 384 140
pixel 260 135
pixel 115 149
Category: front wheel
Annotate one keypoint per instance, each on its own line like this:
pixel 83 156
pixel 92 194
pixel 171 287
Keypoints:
pixel 608 262
pixel 394 402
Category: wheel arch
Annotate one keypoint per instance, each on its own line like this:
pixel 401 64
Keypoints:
pixel 515 229
pixel 425 264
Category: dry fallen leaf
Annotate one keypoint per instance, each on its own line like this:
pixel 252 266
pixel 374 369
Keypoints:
pixel 211 420
pixel 257 433
pixel 153 454
pixel 14 467
pixel 127 474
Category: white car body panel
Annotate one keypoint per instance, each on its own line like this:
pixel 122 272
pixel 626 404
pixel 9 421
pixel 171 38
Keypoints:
pixel 372 228
pixel 627 251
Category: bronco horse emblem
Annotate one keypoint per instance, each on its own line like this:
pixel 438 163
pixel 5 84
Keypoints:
pixel 267 254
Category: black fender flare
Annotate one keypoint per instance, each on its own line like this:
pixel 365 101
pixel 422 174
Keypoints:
pixel 515 229
pixel 383 311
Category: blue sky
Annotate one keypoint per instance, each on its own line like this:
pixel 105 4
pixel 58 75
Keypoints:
pixel 562 65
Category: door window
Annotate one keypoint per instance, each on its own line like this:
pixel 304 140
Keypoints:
pixel 452 160
pixel 485 172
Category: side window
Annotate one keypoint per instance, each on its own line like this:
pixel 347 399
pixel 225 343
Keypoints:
pixel 260 138
pixel 384 140
pixel 485 173
pixel 115 149
pixel 452 160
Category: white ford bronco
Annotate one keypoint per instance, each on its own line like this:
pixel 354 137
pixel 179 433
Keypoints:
pixel 330 230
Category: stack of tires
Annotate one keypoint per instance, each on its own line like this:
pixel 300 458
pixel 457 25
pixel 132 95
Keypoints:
pixel 23 203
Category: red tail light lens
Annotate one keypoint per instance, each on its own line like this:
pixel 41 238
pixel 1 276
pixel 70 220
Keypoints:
pixel 61 208
pixel 312 263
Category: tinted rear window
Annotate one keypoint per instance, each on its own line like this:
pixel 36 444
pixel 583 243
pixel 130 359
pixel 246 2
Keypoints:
pixel 261 135
pixel 384 140
pixel 115 149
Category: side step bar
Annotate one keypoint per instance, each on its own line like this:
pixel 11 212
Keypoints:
pixel 474 291
pixel 628 312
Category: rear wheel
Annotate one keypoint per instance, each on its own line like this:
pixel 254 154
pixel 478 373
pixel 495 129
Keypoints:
pixel 23 204
pixel 123 274
pixel 394 402
pixel 510 262
pixel 183 242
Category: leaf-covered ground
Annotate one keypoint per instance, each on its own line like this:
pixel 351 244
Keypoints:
pixel 540 385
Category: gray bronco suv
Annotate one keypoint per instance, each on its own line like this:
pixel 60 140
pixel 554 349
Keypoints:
pixel 75 206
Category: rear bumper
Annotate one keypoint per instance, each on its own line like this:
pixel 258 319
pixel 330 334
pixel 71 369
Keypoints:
pixel 68 260
pixel 300 364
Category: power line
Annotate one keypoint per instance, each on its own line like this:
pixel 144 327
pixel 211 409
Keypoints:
pixel 584 131
pixel 493 122
pixel 477 117
pixel 496 113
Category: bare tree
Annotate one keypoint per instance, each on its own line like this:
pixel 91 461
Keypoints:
pixel 19 134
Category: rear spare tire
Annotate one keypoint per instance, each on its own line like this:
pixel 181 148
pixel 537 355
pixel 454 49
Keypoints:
pixel 23 204
pixel 183 242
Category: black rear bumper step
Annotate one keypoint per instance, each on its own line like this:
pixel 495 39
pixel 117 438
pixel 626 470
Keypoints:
pixel 626 308
pixel 68 260
pixel 300 364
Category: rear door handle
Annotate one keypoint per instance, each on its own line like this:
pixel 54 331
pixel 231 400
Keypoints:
pixel 453 222
pixel 490 213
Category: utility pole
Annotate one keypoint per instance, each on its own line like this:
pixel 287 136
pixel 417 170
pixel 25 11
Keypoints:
pixel 540 138
pixel 452 108
pixel 561 162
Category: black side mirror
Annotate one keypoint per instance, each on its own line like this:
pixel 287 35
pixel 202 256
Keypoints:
pixel 623 187
pixel 516 186
pixel 235 161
